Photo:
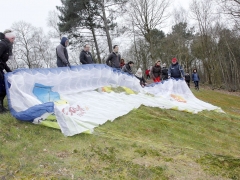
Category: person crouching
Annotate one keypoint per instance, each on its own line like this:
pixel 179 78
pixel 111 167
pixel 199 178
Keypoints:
pixel 128 67
pixel 139 75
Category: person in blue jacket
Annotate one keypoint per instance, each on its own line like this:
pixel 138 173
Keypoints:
pixel 175 70
pixel 195 79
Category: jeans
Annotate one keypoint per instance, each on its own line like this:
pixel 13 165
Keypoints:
pixel 196 85
pixel 2 85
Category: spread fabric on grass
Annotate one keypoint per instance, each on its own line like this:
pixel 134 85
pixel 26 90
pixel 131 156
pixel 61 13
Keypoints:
pixel 79 99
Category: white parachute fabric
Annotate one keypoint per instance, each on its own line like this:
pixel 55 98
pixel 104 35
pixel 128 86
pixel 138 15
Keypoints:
pixel 83 97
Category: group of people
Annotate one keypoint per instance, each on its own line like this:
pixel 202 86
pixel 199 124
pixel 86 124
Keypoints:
pixel 158 73
pixel 114 60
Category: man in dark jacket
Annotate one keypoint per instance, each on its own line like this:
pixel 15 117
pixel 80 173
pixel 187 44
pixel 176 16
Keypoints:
pixel 128 67
pixel 62 54
pixel 114 58
pixel 85 56
pixel 5 48
pixel 175 70
pixel 164 72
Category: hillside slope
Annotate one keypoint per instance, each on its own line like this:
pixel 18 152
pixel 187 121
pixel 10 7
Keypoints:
pixel 148 143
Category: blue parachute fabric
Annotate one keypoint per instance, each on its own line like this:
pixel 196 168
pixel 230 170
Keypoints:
pixel 33 112
pixel 45 93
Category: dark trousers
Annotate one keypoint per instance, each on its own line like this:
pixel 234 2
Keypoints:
pixel 188 83
pixel 2 87
pixel 196 85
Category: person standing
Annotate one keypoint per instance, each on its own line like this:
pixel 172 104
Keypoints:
pixel 164 72
pixel 156 71
pixel 175 70
pixel 62 53
pixel 139 75
pixel 195 79
pixel 128 67
pixel 147 73
pixel 114 58
pixel 2 36
pixel 85 56
pixel 5 50
pixel 187 79
pixel 122 63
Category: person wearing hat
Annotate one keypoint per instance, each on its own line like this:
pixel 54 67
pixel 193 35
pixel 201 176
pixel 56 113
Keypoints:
pixel 2 37
pixel 156 71
pixel 62 53
pixel 128 67
pixel 5 51
pixel 175 70
pixel 139 75
pixel 164 72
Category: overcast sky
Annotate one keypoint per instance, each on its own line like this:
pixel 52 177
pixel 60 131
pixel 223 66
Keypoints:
pixel 36 11
pixel 31 11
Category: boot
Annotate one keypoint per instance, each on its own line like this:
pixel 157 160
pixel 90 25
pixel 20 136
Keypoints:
pixel 2 108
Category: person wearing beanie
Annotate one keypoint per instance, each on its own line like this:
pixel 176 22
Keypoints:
pixel 156 71
pixel 175 70
pixel 164 72
pixel 139 75
pixel 62 53
pixel 195 79
pixel 128 67
pixel 5 48
pixel 2 36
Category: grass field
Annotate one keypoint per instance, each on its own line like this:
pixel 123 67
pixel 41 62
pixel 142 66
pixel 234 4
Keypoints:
pixel 148 143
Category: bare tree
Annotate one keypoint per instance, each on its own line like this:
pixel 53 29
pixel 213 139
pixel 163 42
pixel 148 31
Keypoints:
pixel 52 22
pixel 32 47
pixel 231 8
pixel 148 15
pixel 203 14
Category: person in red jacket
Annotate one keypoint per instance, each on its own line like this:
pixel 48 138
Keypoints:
pixel 147 72
pixel 122 63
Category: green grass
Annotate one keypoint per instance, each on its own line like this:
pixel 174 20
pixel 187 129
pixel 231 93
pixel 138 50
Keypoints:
pixel 148 143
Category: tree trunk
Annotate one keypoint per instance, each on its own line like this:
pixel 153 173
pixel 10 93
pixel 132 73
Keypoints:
pixel 109 40
pixel 96 45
